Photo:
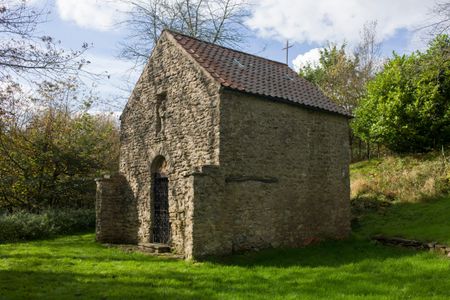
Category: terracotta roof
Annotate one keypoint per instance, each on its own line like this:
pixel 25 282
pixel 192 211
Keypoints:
pixel 252 74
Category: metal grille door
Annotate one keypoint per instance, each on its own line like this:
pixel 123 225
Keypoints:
pixel 161 224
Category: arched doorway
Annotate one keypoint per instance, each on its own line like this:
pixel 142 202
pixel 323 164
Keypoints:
pixel 160 203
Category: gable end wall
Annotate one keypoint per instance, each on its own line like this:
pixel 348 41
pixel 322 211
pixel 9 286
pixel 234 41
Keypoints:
pixel 188 137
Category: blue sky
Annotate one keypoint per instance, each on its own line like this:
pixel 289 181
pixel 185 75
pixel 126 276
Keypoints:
pixel 308 24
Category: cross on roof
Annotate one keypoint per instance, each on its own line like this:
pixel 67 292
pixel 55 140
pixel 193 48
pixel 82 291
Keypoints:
pixel 287 51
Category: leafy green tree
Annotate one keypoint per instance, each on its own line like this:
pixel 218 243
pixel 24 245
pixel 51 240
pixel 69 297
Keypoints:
pixel 50 154
pixel 336 76
pixel 407 107
pixel 343 76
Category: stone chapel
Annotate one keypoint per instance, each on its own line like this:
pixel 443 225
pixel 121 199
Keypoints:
pixel 224 151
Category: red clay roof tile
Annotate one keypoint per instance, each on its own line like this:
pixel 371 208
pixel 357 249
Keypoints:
pixel 255 75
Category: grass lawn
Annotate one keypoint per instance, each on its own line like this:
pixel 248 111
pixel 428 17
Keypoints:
pixel 75 267
pixel 429 221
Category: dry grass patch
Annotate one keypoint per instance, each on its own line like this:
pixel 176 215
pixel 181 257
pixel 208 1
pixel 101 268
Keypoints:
pixel 401 178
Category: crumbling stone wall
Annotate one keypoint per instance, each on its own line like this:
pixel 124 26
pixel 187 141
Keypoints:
pixel 173 112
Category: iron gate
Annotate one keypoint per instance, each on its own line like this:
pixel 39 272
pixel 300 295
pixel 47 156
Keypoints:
pixel 161 224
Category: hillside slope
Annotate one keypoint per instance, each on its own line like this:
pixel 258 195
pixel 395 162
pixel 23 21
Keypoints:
pixel 401 178
pixel 402 196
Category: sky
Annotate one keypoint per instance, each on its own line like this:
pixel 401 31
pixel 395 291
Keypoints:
pixel 307 24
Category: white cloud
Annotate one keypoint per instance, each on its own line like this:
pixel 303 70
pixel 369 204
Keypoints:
pixel 318 21
pixel 311 57
pixel 94 14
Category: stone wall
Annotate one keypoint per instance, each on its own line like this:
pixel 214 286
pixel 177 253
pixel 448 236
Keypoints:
pixel 212 214
pixel 304 152
pixel 285 177
pixel 115 218
pixel 173 112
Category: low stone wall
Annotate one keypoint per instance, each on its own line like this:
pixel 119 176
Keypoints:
pixel 116 219
pixel 414 244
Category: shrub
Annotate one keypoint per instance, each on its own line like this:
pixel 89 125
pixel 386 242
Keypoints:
pixel 28 226
pixel 407 107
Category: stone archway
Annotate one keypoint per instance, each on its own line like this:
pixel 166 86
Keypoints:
pixel 160 231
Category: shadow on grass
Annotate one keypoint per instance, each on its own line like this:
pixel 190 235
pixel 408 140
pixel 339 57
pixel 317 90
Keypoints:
pixel 326 254
pixel 210 281
pixel 70 285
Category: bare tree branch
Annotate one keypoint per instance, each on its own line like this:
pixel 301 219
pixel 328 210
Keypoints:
pixel 439 22
pixel 442 13
pixel 217 21
pixel 368 51
pixel 24 54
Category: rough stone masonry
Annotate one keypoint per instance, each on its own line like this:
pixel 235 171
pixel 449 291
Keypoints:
pixel 255 156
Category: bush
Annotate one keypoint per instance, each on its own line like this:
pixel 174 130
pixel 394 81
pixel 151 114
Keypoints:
pixel 407 107
pixel 28 226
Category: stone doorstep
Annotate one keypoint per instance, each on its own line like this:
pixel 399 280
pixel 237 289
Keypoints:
pixel 154 247
pixel 146 248
pixel 414 244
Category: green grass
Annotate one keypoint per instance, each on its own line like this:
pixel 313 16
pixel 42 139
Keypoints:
pixel 75 267
pixel 429 221
pixel 366 167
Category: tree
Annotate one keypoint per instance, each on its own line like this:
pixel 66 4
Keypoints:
pixel 343 77
pixel 27 57
pixel 367 53
pixel 51 150
pixel 216 21
pixel 441 18
pixel 407 107
pixel 23 53
pixel 336 76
